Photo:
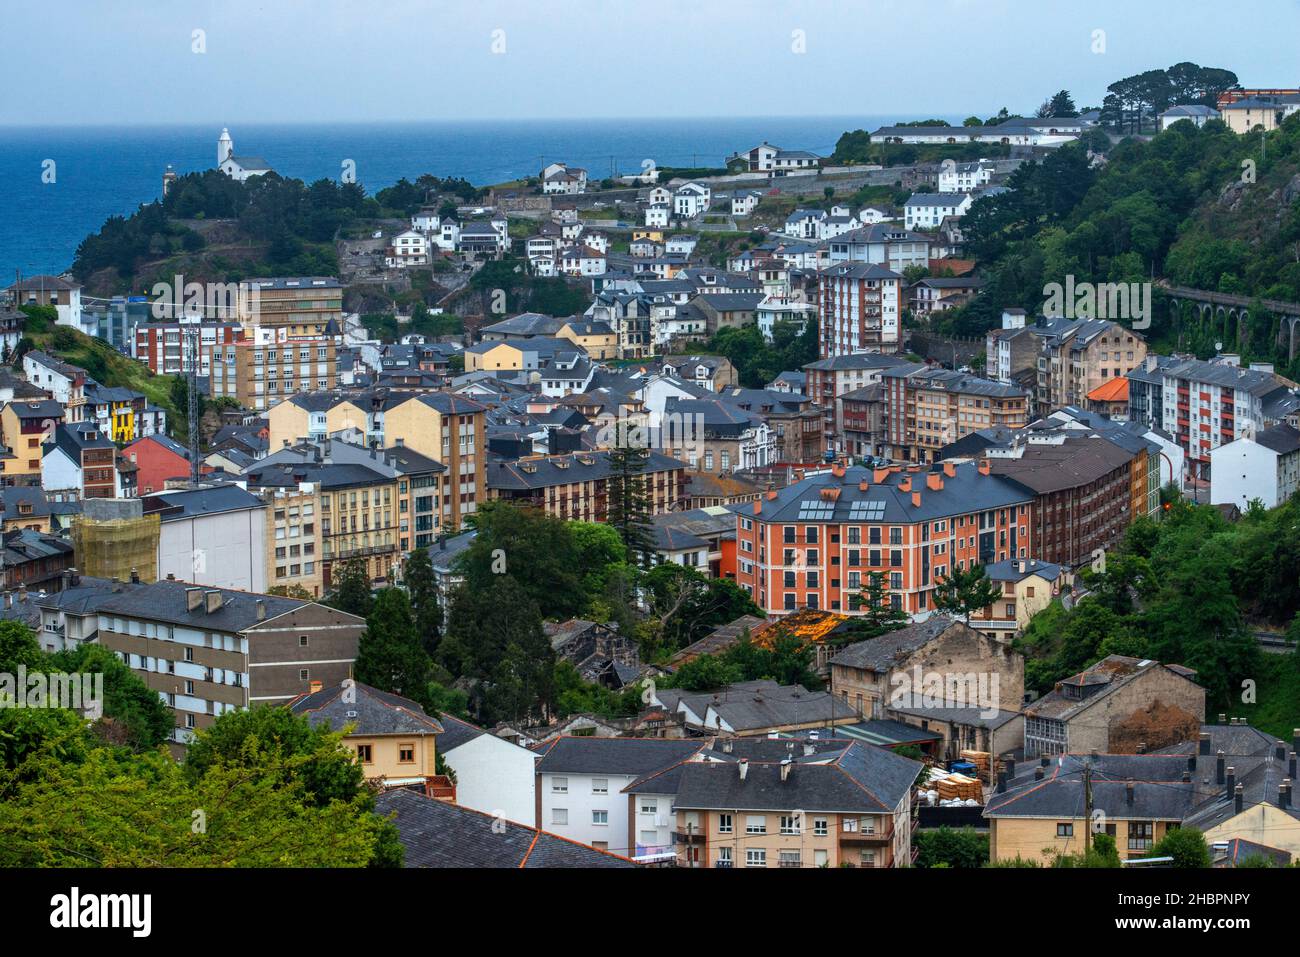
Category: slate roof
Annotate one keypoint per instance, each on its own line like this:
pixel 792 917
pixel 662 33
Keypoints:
pixel 1107 675
pixel 456 732
pixel 1011 570
pixel 859 778
pixel 966 491
pixel 439 834
pixel 882 652
pixel 167 601
pixel 372 711
pixel 1281 438
pixel 189 503
pixel 629 756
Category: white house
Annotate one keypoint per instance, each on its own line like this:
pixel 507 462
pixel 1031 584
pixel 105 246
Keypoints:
pixel 409 248
pixel 562 179
pixel 744 203
pixel 928 210
pixel 773 310
pixel 681 244
pixel 870 215
pixel 1266 467
pixel 804 223
pixel 582 791
pixel 582 261
pixel 964 177
pixel 493 775
pixel 691 200
pixel 658 215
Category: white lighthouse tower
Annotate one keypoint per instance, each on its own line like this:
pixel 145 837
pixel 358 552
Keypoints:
pixel 225 146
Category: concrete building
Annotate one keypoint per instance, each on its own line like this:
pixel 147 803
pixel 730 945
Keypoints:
pixel 1264 468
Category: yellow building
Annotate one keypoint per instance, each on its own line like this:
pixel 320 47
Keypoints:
pixel 24 427
pixel 1264 112
pixel 313 415
pixel 451 429
pixel 392 737
pixel 1028 586
pixel 597 338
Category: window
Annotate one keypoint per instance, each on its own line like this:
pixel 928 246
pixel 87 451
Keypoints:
pixel 820 827
pixel 724 823
pixel 789 859
pixel 303 674
pixel 600 785
pixel 364 754
pixel 755 824
pixel 302 641
pixel 1065 830
pixel 755 857
pixel 1141 835
pixel 789 824
pixel 406 753
pixel 649 806
pixel 724 857
pixel 600 818
pixel 559 785
pixel 559 815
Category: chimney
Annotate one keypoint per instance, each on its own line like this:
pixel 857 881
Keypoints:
pixel 1218 772
pixel 879 475
pixel 863 485
pixel 135 576
pixel 1284 793
pixel 1141 748
pixel 1045 760
pixel 1128 792
pixel 837 470
pixel 171 576
pixel 1002 781
pixel 193 598
pixel 1038 774
pixel 743 766
pixel 1187 777
pixel 906 484
pixel 786 765
pixel 1232 779
pixel 1204 744
pixel 916 500
pixel 399 442
pixel 726 746
pixel 1280 751
pixel 1010 764
pixel 1223 718
pixel 261 610
pixel 211 601
pixel 771 494
pixel 1290 767
pixel 808 750
pixel 949 470
pixel 316 686
pixel 758 507
pixel 9 600
pixel 985 467
pixel 934 482
pixel 76 577
pixel 1295 739
pixel 66 578
pixel 1238 798
pixel 1191 762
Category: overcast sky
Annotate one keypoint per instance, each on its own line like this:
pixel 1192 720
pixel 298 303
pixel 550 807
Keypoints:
pixel 134 61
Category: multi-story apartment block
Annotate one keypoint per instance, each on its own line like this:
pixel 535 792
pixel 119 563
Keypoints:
pixel 1207 404
pixel 843 808
pixel 24 427
pixel 449 429
pixel 80 461
pixel 1266 468
pixel 1084 489
pixel 300 306
pixel 163 347
pixel 1080 354
pixel 576 486
pixel 65 383
pixel 831 378
pixel 258 375
pixel 927 408
pixel 207 651
pixel 815 543
pixel 860 305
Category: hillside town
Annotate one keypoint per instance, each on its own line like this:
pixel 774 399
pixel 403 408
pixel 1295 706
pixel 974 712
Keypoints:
pixel 794 539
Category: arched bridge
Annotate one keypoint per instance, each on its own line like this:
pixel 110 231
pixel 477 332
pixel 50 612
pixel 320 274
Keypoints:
pixel 1229 308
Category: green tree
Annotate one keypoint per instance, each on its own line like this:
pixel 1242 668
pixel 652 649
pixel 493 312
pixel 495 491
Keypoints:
pixel 1186 845
pixel 422 586
pixel 352 591
pixel 963 591
pixel 629 498
pixel 391 654
pixel 952 847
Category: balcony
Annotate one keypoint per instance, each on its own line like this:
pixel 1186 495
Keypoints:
pixel 688 836
pixel 885 836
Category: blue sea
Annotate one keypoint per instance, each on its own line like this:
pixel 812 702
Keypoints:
pixel 109 171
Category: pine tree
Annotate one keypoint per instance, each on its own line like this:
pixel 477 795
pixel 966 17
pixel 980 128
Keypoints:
pixel 629 498
pixel 965 591
pixel 352 590
pixel 878 612
pixel 390 656
pixel 422 588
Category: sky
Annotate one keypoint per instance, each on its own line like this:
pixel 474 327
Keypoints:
pixel 147 62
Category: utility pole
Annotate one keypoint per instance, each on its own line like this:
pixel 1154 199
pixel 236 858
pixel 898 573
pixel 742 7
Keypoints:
pixel 1087 806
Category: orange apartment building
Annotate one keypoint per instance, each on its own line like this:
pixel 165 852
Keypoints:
pixel 814 544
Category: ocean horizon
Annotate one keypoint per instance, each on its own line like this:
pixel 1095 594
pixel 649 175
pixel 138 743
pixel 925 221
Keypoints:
pixel 103 171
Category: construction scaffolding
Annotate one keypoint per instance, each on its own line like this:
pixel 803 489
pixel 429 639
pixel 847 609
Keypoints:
pixel 113 538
